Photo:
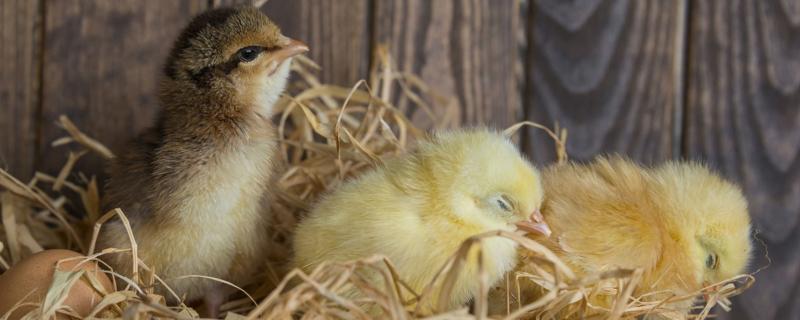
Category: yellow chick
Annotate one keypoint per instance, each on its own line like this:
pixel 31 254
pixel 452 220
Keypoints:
pixel 683 225
pixel 418 208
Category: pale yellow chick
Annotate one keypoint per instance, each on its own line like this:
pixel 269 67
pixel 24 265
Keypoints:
pixel 418 208
pixel 682 224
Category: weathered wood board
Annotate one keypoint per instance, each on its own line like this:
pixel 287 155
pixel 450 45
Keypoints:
pixel 743 117
pixel 465 49
pixel 20 57
pixel 610 72
pixel 102 63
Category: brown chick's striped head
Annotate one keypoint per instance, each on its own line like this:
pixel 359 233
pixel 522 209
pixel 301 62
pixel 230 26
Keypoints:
pixel 228 51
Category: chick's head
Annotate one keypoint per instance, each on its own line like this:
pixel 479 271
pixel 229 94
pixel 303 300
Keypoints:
pixel 707 218
pixel 233 54
pixel 483 179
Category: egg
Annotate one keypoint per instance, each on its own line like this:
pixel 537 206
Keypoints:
pixel 33 276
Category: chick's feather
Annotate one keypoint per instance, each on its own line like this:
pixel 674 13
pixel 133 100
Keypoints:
pixel 668 221
pixel 196 187
pixel 417 210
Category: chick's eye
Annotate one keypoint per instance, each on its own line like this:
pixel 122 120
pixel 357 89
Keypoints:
pixel 712 262
pixel 247 54
pixel 503 204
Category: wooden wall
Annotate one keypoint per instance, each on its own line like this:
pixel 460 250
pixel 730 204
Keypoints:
pixel 717 80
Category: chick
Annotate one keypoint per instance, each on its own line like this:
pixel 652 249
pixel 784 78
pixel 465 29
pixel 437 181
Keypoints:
pixel 195 187
pixel 418 208
pixel 684 226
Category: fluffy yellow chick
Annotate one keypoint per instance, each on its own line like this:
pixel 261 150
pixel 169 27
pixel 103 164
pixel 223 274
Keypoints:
pixel 418 208
pixel 683 225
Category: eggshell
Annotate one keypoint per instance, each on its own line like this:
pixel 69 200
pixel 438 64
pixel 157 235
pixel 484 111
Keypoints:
pixel 35 274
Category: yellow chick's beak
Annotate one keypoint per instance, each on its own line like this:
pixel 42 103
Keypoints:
pixel 535 224
pixel 708 289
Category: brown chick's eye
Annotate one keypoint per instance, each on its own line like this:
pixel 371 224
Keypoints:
pixel 248 54
pixel 712 261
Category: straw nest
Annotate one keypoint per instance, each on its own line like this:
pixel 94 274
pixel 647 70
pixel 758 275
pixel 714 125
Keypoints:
pixel 329 134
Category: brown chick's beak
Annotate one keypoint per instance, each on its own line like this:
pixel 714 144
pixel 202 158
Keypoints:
pixel 535 224
pixel 288 50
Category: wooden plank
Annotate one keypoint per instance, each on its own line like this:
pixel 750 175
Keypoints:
pixel 102 63
pixel 19 73
pixel 464 49
pixel 743 118
pixel 337 31
pixel 610 72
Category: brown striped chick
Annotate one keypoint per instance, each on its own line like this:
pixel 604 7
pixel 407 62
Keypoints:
pixel 195 187
pixel 418 208
pixel 683 225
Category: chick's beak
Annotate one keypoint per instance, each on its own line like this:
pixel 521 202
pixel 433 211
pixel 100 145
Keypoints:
pixel 289 48
pixel 709 289
pixel 535 224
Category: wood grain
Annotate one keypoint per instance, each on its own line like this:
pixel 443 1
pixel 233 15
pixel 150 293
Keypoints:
pixel 102 63
pixel 19 72
pixel 743 117
pixel 337 31
pixel 610 72
pixel 463 49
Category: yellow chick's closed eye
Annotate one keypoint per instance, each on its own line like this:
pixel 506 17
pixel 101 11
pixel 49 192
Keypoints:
pixel 684 226
pixel 417 209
